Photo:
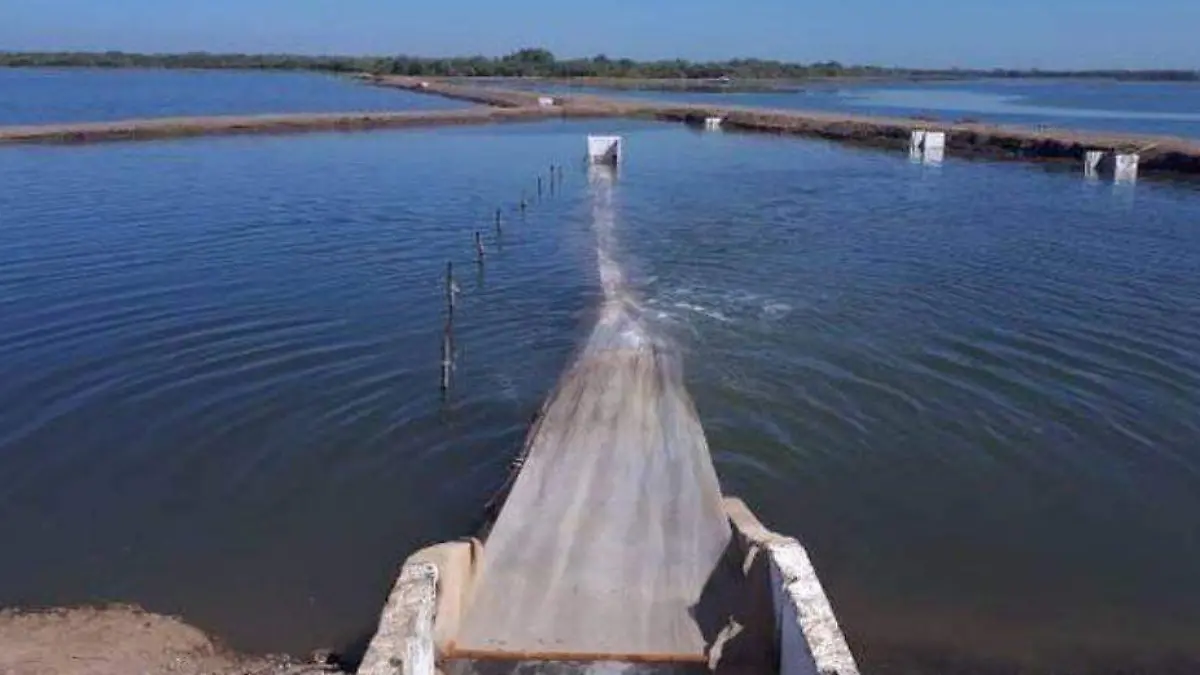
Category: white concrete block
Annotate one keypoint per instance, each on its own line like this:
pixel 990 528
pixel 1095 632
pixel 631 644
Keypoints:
pixel 1091 163
pixel 1125 168
pixel 927 146
pixel 605 150
pixel 713 123
pixel 545 102
pixel 935 147
pixel 916 146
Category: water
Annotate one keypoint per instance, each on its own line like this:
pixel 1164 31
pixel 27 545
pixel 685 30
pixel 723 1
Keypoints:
pixel 44 95
pixel 1147 108
pixel 969 389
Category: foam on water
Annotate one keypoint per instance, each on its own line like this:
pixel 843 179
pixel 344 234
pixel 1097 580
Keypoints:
pixel 685 304
pixel 620 324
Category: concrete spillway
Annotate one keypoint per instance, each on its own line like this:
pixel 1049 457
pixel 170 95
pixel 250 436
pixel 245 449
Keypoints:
pixel 615 526
pixel 614 551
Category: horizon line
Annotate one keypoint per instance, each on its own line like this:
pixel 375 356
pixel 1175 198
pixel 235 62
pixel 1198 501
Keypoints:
pixel 593 58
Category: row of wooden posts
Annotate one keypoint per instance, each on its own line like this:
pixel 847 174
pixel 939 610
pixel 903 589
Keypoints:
pixel 554 184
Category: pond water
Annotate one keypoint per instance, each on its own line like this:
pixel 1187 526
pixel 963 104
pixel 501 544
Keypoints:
pixel 970 390
pixel 44 95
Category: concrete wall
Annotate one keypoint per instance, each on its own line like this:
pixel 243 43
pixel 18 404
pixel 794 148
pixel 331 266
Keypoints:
pixel 927 146
pixel 809 640
pixel 784 600
pixel 423 611
pixel 605 149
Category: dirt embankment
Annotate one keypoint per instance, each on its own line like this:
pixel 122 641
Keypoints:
pixel 183 127
pixel 1159 154
pixel 123 640
pixel 964 139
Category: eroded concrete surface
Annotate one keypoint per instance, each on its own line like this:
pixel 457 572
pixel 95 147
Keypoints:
pixel 614 528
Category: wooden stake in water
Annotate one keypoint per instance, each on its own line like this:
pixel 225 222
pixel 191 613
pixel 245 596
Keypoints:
pixel 450 287
pixel 447 357
pixel 539 187
pixel 497 221
pixel 479 247
pixel 524 203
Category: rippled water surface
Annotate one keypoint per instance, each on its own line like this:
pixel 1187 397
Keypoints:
pixel 971 390
pixel 44 95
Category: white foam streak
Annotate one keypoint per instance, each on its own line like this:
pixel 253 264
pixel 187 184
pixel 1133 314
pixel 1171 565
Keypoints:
pixel 619 325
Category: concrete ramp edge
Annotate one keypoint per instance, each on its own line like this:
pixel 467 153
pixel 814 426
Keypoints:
pixel 425 608
pixel 423 611
pixel 810 641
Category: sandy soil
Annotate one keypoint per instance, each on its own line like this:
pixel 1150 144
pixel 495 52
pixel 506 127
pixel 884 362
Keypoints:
pixel 122 641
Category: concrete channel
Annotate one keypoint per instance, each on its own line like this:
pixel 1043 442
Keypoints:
pixel 614 549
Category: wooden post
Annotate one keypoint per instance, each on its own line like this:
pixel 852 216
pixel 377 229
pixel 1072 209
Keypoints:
pixel 523 201
pixel 447 357
pixel 479 247
pixel 450 287
pixel 539 187
pixel 497 221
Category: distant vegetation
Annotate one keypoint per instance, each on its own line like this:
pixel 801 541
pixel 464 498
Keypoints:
pixel 542 63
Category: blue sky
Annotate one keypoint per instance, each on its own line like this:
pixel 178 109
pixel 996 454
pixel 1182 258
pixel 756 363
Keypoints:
pixel 921 33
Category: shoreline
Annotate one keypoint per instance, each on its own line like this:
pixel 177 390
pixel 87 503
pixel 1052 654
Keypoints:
pixel 794 84
pixel 120 639
pixel 74 133
pixel 1159 154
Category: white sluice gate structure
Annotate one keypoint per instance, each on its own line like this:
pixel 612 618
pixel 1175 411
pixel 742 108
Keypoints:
pixel 927 146
pixel 1123 167
pixel 605 150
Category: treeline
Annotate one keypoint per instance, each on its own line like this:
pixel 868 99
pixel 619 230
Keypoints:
pixel 542 63
pixel 344 64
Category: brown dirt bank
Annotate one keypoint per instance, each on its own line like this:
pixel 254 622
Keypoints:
pixel 446 88
pixel 1159 154
pixel 183 127
pixel 121 640
pixel 738 85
